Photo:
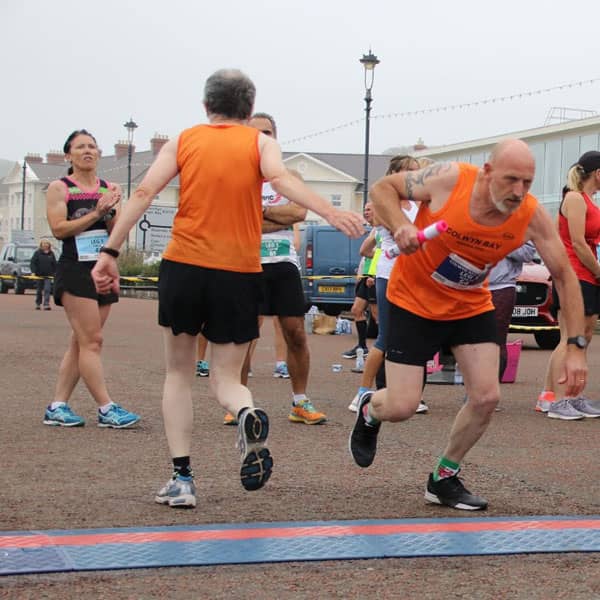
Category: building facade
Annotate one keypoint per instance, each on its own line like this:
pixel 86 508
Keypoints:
pixel 555 148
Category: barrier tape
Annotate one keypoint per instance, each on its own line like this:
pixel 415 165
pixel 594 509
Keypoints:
pixel 155 279
pixel 534 327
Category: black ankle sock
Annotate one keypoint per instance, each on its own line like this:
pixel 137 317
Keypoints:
pixel 181 466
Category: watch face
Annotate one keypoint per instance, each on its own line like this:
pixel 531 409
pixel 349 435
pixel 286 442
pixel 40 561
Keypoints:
pixel 581 343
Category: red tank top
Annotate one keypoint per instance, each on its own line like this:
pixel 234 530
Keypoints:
pixel 447 278
pixel 592 236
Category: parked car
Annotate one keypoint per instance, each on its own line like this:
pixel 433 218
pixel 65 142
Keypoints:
pixel 533 311
pixel 14 262
pixel 329 261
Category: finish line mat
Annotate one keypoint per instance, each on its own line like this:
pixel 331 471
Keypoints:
pixel 129 548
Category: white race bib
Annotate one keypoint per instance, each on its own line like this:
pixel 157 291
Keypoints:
pixel 89 243
pixel 458 273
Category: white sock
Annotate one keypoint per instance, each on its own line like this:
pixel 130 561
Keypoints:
pixel 297 398
pixel 56 404
pixel 104 409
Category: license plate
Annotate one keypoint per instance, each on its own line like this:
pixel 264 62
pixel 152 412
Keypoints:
pixel 331 289
pixel 525 311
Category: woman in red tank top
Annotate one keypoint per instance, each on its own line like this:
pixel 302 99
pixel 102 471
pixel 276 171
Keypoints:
pixel 579 229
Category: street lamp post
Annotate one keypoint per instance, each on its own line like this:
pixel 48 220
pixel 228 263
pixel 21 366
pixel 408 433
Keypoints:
pixel 369 62
pixel 131 126
pixel 23 195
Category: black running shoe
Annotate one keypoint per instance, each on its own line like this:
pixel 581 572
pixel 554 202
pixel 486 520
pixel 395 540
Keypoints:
pixel 363 439
pixel 352 352
pixel 451 492
pixel 257 462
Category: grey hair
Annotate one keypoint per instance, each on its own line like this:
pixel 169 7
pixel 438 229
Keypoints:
pixel 229 93
pixel 268 117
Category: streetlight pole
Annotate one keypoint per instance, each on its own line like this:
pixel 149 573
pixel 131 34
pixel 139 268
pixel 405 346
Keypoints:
pixel 369 62
pixel 131 126
pixel 23 195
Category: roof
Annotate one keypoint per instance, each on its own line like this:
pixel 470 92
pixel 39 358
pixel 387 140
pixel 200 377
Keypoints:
pixel 115 169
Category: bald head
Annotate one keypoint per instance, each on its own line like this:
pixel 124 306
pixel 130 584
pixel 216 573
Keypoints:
pixel 512 150
pixel 509 174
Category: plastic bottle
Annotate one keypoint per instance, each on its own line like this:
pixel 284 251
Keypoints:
pixel 360 359
pixel 458 376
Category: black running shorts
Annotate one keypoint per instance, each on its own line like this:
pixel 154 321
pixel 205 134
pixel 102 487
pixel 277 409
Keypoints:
pixel 283 294
pixel 365 292
pixel 222 305
pixel 413 340
pixel 75 277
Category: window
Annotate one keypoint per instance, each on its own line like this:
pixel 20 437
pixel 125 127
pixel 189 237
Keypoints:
pixel 588 142
pixel 569 156
pixel 551 173
pixel 537 189
pixel 336 199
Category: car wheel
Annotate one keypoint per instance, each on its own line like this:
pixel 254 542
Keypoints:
pixel 3 287
pixel 547 340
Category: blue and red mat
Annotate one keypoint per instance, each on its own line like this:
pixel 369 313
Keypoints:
pixel 128 548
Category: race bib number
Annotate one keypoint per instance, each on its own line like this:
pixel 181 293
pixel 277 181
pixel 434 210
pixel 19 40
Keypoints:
pixel 458 273
pixel 89 243
pixel 269 248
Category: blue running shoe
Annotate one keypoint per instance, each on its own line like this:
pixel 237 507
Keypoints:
pixel 179 492
pixel 281 371
pixel 117 418
pixel 202 368
pixel 63 416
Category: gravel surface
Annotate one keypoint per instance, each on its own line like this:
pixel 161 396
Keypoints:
pixel 56 478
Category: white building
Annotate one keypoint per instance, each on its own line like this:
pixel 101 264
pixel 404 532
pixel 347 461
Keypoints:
pixel 555 147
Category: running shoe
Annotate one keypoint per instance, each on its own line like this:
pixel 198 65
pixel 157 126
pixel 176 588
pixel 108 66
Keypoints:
pixel 63 416
pixel 353 406
pixel 564 410
pixel 229 419
pixel 450 491
pixel 179 492
pixel 202 369
pixel 280 371
pixel 588 409
pixel 305 412
pixel 545 399
pixel 422 408
pixel 117 417
pixel 363 438
pixel 352 352
pixel 257 462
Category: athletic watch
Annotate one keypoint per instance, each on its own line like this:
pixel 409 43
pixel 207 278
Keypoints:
pixel 578 341
pixel 110 251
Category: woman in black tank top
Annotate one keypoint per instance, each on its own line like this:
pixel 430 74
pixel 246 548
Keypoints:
pixel 81 211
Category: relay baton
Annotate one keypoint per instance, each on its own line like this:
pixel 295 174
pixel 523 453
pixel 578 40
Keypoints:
pixel 423 235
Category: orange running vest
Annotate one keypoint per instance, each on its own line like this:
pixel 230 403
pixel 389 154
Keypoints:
pixel 219 218
pixel 447 278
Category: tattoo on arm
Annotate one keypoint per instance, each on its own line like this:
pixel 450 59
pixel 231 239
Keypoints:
pixel 414 179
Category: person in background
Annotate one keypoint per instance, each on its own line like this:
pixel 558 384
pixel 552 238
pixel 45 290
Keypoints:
pixel 503 285
pixel 81 210
pixel 375 359
pixel 365 293
pixel 43 264
pixel 282 287
pixel 579 230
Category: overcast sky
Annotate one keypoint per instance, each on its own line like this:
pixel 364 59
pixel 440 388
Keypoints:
pixel 70 64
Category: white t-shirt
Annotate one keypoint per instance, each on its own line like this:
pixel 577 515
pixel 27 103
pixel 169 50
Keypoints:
pixel 385 264
pixel 278 246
